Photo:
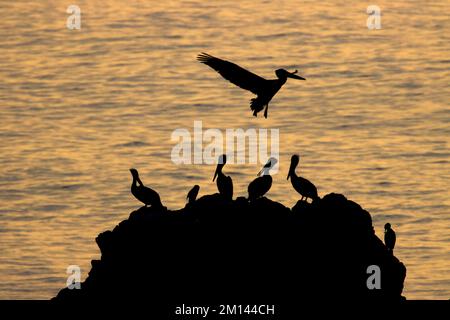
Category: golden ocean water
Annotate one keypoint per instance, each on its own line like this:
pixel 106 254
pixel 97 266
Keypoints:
pixel 78 108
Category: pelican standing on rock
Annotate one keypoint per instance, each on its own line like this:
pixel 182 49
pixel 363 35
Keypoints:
pixel 224 183
pixel 389 237
pixel 261 185
pixel 303 186
pixel 144 194
pixel 264 89
pixel 192 194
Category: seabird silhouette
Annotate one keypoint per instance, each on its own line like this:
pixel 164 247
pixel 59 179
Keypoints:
pixel 192 194
pixel 389 237
pixel 264 89
pixel 224 183
pixel 144 194
pixel 303 186
pixel 261 185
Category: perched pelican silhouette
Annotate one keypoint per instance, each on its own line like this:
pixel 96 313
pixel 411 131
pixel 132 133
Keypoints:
pixel 303 186
pixel 144 194
pixel 224 183
pixel 264 89
pixel 192 194
pixel 389 237
pixel 261 185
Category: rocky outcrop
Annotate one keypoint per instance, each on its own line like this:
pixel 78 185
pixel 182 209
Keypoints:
pixel 216 250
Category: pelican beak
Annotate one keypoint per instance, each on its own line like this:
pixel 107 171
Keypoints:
pixel 291 170
pixel 294 76
pixel 216 173
pixel 260 172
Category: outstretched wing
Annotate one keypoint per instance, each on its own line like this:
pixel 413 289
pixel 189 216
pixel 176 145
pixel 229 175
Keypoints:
pixel 233 73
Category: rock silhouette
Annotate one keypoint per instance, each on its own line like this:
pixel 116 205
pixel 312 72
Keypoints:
pixel 216 249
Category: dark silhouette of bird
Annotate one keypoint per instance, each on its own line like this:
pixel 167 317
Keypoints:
pixel 224 183
pixel 192 194
pixel 264 89
pixel 144 194
pixel 303 186
pixel 389 237
pixel 261 185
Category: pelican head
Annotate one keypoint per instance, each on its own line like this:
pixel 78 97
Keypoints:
pixel 269 165
pixel 295 159
pixel 134 173
pixel 283 74
pixel 220 163
pixel 387 226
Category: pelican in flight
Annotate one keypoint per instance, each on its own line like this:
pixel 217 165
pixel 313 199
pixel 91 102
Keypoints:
pixel 261 185
pixel 389 237
pixel 144 194
pixel 303 186
pixel 192 194
pixel 264 89
pixel 224 183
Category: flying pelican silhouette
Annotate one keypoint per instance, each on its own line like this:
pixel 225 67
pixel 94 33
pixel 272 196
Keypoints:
pixel 224 183
pixel 389 237
pixel 192 194
pixel 142 193
pixel 303 186
pixel 264 89
pixel 261 185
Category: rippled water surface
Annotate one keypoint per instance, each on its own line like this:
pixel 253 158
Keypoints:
pixel 79 108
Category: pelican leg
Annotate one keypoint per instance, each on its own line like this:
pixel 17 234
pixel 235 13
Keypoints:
pixel 266 110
